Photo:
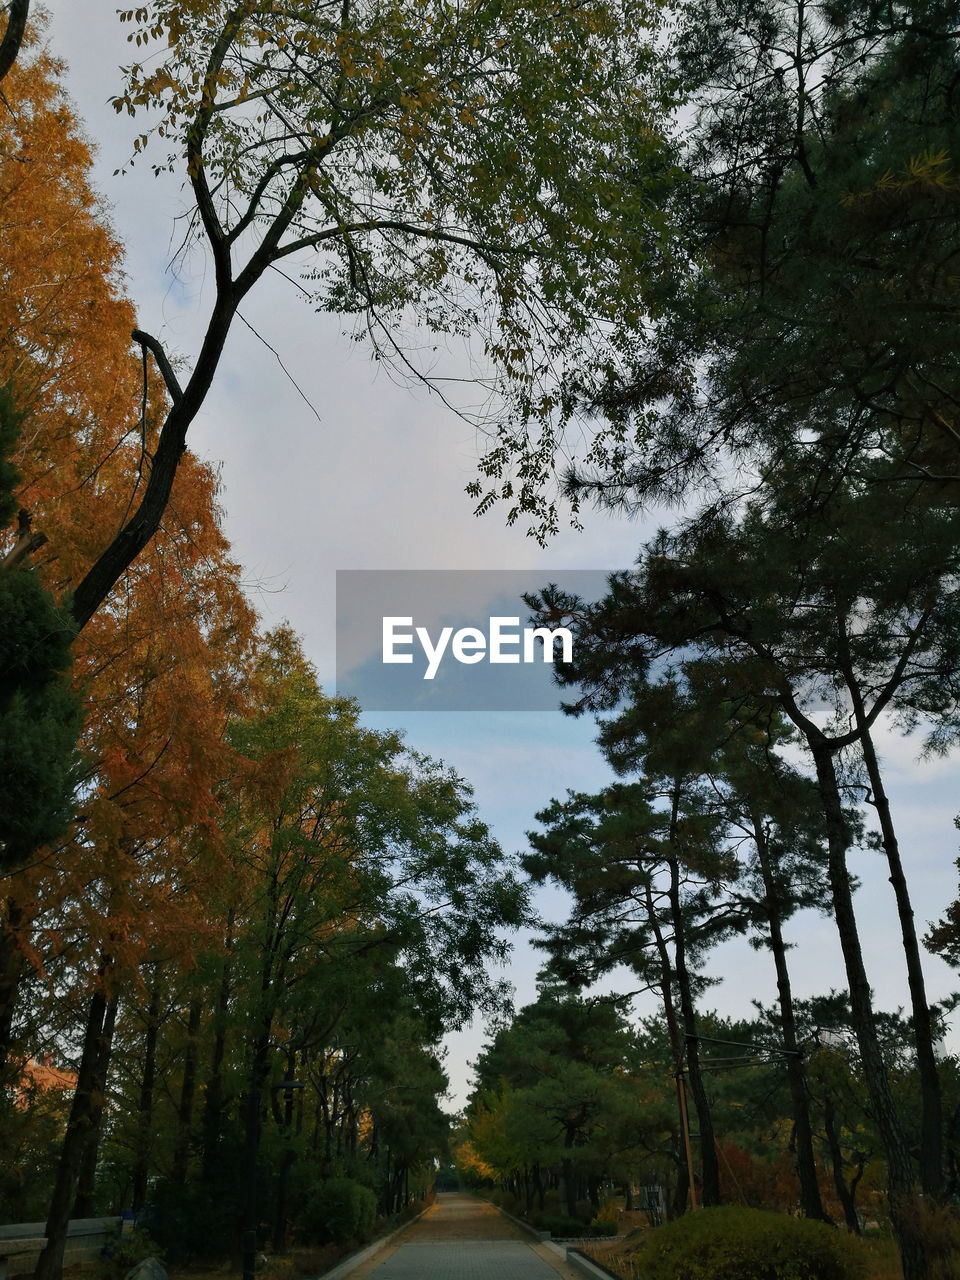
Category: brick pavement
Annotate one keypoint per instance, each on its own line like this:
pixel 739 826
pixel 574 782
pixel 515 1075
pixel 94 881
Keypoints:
pixel 460 1238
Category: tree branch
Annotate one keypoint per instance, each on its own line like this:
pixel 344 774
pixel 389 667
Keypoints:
pixel 150 343
pixel 13 36
pixel 27 542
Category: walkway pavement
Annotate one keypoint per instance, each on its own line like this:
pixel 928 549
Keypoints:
pixel 460 1238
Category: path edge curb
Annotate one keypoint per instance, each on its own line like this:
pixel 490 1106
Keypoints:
pixel 586 1267
pixel 346 1265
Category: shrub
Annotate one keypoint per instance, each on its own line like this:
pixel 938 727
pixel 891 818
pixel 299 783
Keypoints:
pixel 337 1211
pixel 560 1225
pixel 938 1231
pixel 191 1220
pixel 505 1200
pixel 748 1244
pixel 609 1211
pixel 138 1245
pixel 602 1227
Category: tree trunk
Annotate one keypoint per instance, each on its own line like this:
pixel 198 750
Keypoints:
pixel 11 975
pixel 900 1177
pixel 931 1120
pixel 188 1091
pixel 682 1187
pixel 212 1123
pixel 953 1155
pixel 17 14
pixel 84 1115
pixel 85 1203
pixel 810 1201
pixel 117 557
pixel 259 1074
pixel 708 1147
pixel 141 1171
pixel 836 1161
pixel 286 1164
pixel 569 1184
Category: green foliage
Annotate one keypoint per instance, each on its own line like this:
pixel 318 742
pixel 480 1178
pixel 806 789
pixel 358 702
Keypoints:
pixel 30 1139
pixel 447 1179
pixel 192 1220
pixel 343 822
pixel 466 161
pixel 811 318
pixel 136 1246
pixel 40 716
pixel 559 1225
pixel 731 1243
pixel 559 1091
pixel 339 1210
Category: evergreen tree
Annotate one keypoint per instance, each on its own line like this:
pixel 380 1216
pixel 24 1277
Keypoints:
pixel 39 714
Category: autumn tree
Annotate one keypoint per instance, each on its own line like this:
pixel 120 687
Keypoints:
pixel 129 885
pixel 66 325
pixel 64 352
pixel 65 358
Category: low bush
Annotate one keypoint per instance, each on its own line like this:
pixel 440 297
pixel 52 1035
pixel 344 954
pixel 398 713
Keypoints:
pixel 601 1227
pixel 609 1211
pixel 559 1225
pixel 338 1210
pixel 119 1256
pixel 732 1243
pixel 506 1200
pixel 937 1230
pixel 192 1221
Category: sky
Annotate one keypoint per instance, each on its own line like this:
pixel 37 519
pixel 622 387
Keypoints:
pixel 370 474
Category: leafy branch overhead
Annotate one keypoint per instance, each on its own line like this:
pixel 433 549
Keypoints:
pixel 813 322
pixel 460 167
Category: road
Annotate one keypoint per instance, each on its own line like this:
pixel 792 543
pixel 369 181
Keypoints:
pixel 460 1238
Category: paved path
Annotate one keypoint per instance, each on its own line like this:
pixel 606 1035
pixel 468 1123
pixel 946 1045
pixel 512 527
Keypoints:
pixel 460 1238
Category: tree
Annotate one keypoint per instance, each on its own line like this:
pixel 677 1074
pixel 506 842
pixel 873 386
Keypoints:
pixel 800 614
pixel 763 813
pixel 39 714
pixel 557 1090
pixel 375 147
pixel 128 883
pixel 349 853
pixel 810 325
pixel 644 865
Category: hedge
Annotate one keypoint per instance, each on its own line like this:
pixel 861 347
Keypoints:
pixel 732 1243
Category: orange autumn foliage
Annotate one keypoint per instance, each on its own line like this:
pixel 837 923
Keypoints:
pixel 64 322
pixel 165 663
